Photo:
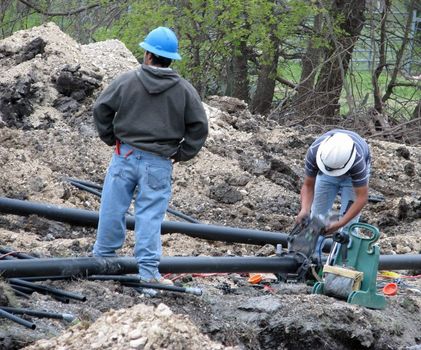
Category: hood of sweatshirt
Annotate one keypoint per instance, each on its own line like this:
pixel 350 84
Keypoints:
pixel 156 80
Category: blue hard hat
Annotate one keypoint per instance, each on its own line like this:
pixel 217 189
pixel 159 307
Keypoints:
pixel 162 42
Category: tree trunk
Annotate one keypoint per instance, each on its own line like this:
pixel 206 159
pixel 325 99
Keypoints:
pixel 417 111
pixel 266 80
pixel 237 80
pixel 350 15
pixel 399 54
pixel 378 104
pixel 309 63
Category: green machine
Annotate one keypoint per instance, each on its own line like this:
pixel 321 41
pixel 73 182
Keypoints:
pixel 351 269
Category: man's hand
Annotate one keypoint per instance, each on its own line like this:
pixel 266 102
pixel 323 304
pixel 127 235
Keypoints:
pixel 307 194
pixel 302 215
pixel 332 228
pixel 361 196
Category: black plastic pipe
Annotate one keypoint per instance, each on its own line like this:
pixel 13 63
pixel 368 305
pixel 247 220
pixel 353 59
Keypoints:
pixel 86 266
pixel 133 281
pixel 15 253
pixel 20 294
pixel 21 288
pixel 82 217
pixel 82 267
pixel 400 262
pixel 45 289
pixel 38 313
pixel 97 190
pixel 86 188
pixel 16 319
pixel 187 290
pixel 45 278
pixel 85 183
pixel 181 215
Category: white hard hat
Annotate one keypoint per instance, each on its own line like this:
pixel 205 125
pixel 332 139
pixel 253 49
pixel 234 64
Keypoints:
pixel 336 154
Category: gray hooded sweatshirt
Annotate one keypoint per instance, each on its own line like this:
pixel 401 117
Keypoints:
pixel 155 110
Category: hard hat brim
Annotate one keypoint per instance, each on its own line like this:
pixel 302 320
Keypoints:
pixel 162 53
pixel 337 172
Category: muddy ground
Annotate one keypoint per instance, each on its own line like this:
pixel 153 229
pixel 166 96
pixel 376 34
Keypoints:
pixel 248 175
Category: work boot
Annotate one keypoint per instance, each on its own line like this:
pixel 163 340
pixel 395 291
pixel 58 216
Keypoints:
pixel 160 280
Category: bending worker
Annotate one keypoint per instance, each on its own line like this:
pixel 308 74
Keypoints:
pixel 336 162
pixel 154 118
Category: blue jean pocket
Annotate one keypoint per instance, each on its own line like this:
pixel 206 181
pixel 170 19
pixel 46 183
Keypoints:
pixel 159 178
pixel 118 167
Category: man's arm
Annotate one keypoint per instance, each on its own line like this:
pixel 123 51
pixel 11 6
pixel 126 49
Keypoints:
pixel 196 128
pixel 104 111
pixel 361 198
pixel 307 195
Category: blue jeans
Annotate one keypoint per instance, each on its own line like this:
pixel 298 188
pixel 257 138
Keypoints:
pixel 151 175
pixel 325 191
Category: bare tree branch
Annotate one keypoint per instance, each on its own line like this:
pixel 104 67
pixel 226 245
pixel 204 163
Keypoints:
pixel 286 82
pixel 400 53
pixel 68 13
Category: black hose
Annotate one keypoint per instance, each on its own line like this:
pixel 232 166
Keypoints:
pixel 46 290
pixel 45 278
pixel 60 299
pixel 38 313
pixel 19 293
pixel 21 289
pixel 133 281
pixel 143 285
pixel 86 188
pixel 97 190
pixel 16 319
pixel 86 266
pixel 82 267
pixel 182 216
pixel 17 254
pixel 86 183
pixel 90 218
pixel 117 278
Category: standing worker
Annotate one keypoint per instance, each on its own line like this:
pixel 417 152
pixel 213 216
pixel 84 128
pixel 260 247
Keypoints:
pixel 154 118
pixel 337 162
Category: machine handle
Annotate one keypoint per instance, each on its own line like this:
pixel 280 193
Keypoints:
pixel 374 237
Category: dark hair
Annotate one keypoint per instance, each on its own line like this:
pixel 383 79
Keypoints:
pixel 159 60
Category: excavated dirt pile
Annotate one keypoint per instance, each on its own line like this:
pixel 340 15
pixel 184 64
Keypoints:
pixel 248 175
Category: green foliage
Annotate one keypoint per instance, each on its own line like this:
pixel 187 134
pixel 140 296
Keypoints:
pixel 214 33
pixel 9 22
pixel 210 32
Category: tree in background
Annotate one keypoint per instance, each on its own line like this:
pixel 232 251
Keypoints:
pixel 231 47
pixel 343 21
pixel 295 55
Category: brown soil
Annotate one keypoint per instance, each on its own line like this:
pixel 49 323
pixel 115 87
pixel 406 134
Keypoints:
pixel 248 175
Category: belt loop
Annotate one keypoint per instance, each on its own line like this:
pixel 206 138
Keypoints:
pixel 117 147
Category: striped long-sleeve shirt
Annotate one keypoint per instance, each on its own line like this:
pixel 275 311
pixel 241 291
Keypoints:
pixel 360 170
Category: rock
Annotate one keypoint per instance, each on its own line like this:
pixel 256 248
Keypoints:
pixel 261 304
pixel 163 311
pixel 403 152
pixel 409 169
pixel 138 343
pixel 225 194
